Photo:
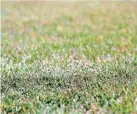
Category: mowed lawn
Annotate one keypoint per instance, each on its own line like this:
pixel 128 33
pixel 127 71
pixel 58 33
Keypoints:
pixel 69 57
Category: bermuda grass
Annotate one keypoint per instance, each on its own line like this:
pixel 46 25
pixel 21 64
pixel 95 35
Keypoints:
pixel 69 57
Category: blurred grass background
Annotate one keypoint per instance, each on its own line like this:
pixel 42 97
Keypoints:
pixel 87 29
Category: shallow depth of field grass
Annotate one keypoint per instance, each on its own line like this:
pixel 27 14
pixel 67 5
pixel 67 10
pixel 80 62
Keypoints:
pixel 69 57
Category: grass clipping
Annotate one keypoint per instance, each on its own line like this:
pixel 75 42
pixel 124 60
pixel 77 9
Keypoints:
pixel 72 75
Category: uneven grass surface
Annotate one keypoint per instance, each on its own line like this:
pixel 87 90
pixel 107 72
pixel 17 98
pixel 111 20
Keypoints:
pixel 69 57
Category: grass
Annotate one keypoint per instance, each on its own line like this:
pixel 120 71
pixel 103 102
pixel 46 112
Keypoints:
pixel 75 57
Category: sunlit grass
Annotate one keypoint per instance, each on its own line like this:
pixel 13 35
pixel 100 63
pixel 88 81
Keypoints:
pixel 69 57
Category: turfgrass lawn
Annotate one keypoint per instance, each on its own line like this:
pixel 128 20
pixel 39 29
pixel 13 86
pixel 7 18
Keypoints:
pixel 69 57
